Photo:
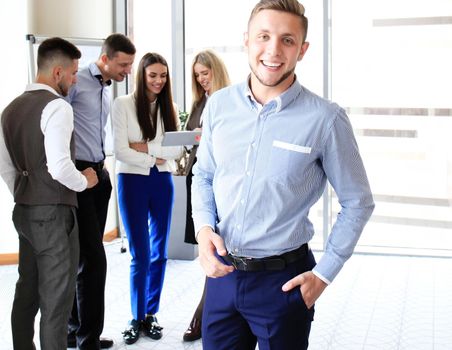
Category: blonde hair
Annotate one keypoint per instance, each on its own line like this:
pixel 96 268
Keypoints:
pixel 289 6
pixel 220 76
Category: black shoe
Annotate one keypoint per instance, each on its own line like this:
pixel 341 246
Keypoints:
pixel 71 340
pixel 132 332
pixel 152 328
pixel 193 331
pixel 106 343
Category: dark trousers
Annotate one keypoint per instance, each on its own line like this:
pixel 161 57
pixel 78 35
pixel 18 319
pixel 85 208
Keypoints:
pixel 243 308
pixel 189 225
pixel 146 203
pixel 48 259
pixel 87 319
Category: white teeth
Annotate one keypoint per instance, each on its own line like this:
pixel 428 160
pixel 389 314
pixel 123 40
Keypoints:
pixel 271 64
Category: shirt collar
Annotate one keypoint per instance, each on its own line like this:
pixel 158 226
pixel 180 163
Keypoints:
pixel 279 102
pixel 95 71
pixel 39 86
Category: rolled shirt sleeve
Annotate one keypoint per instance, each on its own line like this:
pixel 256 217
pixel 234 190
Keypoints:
pixel 57 125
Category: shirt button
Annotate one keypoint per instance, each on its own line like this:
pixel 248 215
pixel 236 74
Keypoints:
pixel 253 145
pixel 242 201
pixel 238 226
pixel 248 173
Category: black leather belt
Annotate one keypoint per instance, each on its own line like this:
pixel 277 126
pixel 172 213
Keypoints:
pixel 82 165
pixel 271 263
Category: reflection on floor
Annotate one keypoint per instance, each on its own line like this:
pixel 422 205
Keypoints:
pixel 377 302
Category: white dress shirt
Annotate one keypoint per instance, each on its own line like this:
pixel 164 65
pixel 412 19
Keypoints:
pixel 57 125
pixel 126 130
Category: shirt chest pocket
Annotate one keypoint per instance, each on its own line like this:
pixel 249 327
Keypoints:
pixel 288 163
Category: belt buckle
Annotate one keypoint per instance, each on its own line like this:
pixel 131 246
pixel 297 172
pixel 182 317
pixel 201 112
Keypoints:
pixel 239 262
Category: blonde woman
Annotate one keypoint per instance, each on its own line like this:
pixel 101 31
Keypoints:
pixel 209 74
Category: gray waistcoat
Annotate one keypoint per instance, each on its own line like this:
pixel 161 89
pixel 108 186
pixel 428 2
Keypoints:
pixel 25 143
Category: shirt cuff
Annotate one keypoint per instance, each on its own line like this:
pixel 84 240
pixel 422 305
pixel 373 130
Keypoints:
pixel 201 227
pixel 328 267
pixel 328 282
pixel 154 149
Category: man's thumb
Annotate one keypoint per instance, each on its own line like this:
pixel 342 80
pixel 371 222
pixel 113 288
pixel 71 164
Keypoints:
pixel 219 245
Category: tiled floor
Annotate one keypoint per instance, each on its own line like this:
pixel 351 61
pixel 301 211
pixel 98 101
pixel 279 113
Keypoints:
pixel 377 302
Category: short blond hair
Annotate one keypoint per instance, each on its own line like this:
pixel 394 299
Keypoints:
pixel 289 6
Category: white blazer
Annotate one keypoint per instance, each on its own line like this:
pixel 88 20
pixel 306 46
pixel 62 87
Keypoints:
pixel 127 130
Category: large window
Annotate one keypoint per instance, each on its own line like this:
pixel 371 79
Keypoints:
pixel 391 70
pixel 150 27
pixel 208 26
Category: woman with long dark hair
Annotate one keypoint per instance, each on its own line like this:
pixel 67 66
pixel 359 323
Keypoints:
pixel 145 186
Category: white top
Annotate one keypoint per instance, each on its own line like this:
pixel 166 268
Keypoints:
pixel 57 125
pixel 127 130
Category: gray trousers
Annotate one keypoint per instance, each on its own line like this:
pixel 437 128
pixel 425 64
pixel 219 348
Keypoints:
pixel 48 261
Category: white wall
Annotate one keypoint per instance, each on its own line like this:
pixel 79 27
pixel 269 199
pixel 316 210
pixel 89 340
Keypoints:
pixel 71 18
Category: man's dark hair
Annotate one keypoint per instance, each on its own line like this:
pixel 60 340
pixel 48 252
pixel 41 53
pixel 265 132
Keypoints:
pixel 117 43
pixel 56 50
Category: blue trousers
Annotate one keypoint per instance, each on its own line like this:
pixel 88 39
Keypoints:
pixel 145 204
pixel 245 308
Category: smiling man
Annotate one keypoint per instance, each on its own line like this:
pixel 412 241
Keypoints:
pixel 90 99
pixel 269 146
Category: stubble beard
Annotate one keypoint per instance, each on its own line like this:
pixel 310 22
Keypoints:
pixel 279 81
pixel 63 91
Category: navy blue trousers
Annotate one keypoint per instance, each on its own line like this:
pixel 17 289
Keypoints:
pixel 145 204
pixel 245 308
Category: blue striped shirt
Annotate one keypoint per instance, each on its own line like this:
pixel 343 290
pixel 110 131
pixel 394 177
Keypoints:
pixel 261 168
pixel 90 99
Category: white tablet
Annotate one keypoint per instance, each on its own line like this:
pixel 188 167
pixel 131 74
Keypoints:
pixel 181 138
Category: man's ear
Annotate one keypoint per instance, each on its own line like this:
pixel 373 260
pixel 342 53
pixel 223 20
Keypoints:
pixel 57 73
pixel 304 48
pixel 245 40
pixel 104 58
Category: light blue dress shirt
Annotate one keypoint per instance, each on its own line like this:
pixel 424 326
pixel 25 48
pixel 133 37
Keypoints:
pixel 90 99
pixel 261 168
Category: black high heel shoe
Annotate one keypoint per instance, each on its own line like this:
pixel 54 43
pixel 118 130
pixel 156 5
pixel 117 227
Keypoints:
pixel 193 331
